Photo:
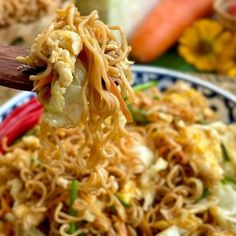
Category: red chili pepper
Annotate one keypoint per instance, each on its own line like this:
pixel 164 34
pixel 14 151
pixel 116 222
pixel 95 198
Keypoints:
pixel 25 108
pixel 21 120
pixel 232 9
pixel 19 112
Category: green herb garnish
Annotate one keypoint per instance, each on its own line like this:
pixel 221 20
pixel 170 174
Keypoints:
pixel 145 86
pixel 205 193
pixel 224 152
pixel 72 212
pixel 139 115
pixel 228 180
pixel 156 97
pixel 122 201
pixel 203 122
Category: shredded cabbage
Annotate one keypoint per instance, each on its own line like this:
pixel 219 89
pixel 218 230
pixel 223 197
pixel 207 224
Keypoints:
pixel 171 231
pixel 225 211
pixel 66 106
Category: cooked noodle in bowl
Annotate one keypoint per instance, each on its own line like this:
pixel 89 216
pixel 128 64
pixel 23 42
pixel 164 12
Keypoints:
pixel 107 159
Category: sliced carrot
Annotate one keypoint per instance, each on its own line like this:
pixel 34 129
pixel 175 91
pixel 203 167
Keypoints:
pixel 146 229
pixel 164 25
pixel 5 208
pixel 123 106
pixel 9 228
pixel 43 82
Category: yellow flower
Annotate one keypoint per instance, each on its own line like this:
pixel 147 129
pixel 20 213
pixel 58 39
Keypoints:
pixel 202 43
pixel 227 59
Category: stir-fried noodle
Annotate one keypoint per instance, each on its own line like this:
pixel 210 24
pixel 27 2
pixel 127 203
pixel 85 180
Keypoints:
pixel 101 176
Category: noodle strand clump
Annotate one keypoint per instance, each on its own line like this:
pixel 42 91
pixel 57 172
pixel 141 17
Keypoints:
pixel 84 65
pixel 84 81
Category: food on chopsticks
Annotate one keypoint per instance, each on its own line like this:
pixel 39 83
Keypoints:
pixel 168 176
pixel 164 25
pixel 86 76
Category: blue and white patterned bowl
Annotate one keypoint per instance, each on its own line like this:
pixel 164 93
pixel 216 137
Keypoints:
pixel 220 100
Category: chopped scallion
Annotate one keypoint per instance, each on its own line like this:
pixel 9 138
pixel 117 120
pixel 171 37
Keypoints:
pixel 228 180
pixel 72 212
pixel 123 202
pixel 145 86
pixel 156 97
pixel 139 115
pixel 224 152
pixel 202 122
pixel 205 193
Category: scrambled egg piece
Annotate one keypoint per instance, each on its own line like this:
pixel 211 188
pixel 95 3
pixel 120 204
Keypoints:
pixel 129 191
pixel 63 46
pixel 201 144
pixel 182 94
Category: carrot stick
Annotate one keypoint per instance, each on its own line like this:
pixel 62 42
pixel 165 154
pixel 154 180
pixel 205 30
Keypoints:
pixel 123 106
pixel 164 25
pixel 4 206
pixel 43 82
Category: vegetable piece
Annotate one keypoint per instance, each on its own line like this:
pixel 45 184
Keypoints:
pixel 202 122
pixel 171 231
pixel 228 180
pixel 123 106
pixel 123 202
pixel 164 25
pixel 205 193
pixel 73 197
pixel 232 9
pixel 139 116
pixel 224 211
pixel 20 121
pixel 30 106
pixel 224 152
pixel 5 205
pixel 64 109
pixel 43 82
pixel 145 86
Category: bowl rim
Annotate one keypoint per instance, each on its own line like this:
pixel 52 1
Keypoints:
pixel 21 96
pixel 185 77
pixel 25 95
